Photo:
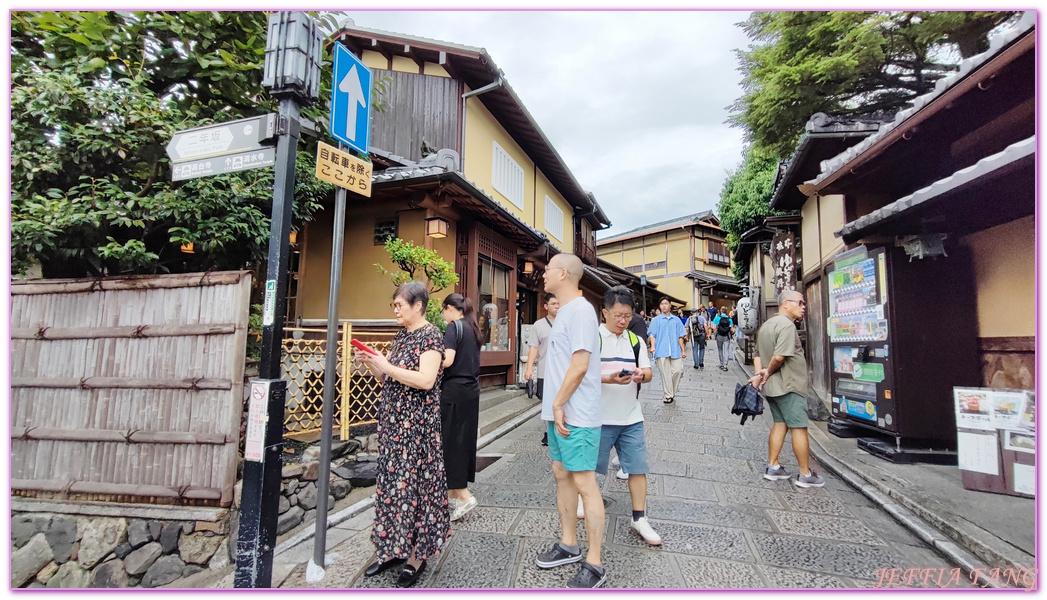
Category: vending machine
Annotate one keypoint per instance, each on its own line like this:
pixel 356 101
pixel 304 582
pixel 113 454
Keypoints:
pixel 902 332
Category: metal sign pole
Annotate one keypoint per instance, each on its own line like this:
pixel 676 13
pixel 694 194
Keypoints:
pixel 259 505
pixel 293 41
pixel 323 483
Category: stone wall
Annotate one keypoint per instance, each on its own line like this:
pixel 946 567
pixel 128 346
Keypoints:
pixel 65 551
pixel 69 551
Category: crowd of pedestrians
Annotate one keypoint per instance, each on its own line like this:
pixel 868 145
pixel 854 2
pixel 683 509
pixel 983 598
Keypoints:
pixel 588 379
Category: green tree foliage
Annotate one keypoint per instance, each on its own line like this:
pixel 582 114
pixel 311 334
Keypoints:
pixel 415 260
pixel 745 198
pixel 845 62
pixel 96 97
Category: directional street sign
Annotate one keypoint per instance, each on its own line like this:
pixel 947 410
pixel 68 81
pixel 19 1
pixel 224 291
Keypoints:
pixel 226 163
pixel 242 135
pixel 350 100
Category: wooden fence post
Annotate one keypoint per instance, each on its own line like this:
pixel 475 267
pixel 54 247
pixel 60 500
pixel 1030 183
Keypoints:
pixel 347 379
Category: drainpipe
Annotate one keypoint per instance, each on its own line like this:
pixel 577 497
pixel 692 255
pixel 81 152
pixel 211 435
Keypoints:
pixel 487 88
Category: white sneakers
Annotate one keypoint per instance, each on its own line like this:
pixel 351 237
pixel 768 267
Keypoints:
pixel 643 528
pixel 615 463
pixel 460 509
pixel 621 474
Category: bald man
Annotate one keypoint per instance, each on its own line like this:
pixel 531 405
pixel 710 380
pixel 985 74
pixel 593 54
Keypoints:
pixel 784 381
pixel 572 409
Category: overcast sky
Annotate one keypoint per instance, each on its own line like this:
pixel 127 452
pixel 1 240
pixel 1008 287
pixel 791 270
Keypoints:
pixel 634 102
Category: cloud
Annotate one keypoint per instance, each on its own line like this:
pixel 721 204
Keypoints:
pixel 634 101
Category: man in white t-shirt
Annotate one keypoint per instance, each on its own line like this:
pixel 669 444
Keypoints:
pixel 623 366
pixel 572 409
pixel 539 346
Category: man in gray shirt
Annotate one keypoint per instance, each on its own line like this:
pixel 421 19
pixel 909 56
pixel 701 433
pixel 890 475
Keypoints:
pixel 784 381
pixel 538 341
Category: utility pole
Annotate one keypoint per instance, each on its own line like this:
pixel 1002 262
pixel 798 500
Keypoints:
pixel 293 54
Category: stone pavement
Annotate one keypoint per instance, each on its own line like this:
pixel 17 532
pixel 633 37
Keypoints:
pixel 723 525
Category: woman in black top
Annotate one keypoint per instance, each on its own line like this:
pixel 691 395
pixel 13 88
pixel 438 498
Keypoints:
pixel 460 401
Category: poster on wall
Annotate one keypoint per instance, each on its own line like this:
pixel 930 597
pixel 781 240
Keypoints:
pixel 973 408
pixel 1019 441
pixel 1006 408
pixel 1024 477
pixel 1027 419
pixel 978 452
pixel 843 360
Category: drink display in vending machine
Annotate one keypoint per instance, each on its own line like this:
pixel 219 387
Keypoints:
pixel 892 326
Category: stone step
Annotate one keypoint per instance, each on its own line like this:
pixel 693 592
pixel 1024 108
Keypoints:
pixel 495 416
pixel 491 398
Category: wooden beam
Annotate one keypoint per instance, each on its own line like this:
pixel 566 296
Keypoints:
pixel 135 282
pixel 141 331
pixel 113 435
pixel 95 383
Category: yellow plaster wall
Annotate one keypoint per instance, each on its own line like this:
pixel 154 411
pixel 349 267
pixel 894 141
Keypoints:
pixel 481 129
pixel 375 60
pixel 832 221
pixel 436 70
pixel 1004 272
pixel 632 258
pixel 544 188
pixel 768 279
pixel 810 244
pixel 365 294
pixel 404 64
pixel 679 260
pixel 679 287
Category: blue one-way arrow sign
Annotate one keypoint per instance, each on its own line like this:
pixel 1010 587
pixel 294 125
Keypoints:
pixel 350 100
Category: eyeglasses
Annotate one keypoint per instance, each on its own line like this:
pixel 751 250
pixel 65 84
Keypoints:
pixel 397 306
pixel 619 316
pixel 800 302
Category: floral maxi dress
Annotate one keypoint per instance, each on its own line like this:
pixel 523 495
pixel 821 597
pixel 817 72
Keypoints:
pixel 411 496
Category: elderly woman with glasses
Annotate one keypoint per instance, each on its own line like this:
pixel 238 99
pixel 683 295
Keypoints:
pixel 411 522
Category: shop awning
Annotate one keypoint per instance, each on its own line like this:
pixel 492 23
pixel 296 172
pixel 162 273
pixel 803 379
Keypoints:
pixel 947 203
pixel 721 281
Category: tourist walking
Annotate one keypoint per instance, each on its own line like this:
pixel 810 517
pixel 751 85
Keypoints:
pixel 572 411
pixel 666 337
pixel 624 366
pixel 781 372
pixel 724 328
pixel 411 520
pixel 538 341
pixel 696 327
pixel 460 401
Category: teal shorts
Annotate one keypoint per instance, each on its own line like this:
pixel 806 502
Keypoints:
pixel 790 409
pixel 578 451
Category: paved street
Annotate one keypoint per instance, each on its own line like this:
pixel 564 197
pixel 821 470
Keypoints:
pixel 723 525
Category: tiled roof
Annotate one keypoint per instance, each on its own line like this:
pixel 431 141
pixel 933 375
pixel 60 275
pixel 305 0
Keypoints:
pixel 996 44
pixel 714 278
pixel 670 224
pixel 1010 154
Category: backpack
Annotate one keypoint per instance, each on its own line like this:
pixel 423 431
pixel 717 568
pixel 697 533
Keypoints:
pixel 747 401
pixel 723 326
pixel 635 341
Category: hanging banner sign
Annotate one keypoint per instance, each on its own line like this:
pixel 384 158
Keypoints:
pixel 343 169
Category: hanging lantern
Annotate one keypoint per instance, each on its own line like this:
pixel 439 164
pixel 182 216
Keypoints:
pixel 436 227
pixel 528 267
pixel 294 237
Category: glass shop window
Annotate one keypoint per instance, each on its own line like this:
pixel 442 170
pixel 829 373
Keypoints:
pixel 494 305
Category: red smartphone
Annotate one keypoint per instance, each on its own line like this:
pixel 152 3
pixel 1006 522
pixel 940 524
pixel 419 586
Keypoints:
pixel 362 346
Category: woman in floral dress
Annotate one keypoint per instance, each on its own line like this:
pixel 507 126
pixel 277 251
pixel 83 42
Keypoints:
pixel 411 522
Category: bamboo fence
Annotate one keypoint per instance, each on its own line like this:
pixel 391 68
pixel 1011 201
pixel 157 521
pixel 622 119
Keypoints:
pixel 128 389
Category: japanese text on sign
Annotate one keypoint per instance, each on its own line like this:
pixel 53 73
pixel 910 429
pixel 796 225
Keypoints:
pixel 343 169
pixel 257 415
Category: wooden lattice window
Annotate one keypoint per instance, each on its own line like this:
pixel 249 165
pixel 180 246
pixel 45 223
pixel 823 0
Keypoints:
pixel 718 253
pixel 384 230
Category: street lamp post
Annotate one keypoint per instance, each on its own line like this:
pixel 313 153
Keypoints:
pixel 293 53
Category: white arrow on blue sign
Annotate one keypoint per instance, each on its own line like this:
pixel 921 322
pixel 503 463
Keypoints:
pixel 350 100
